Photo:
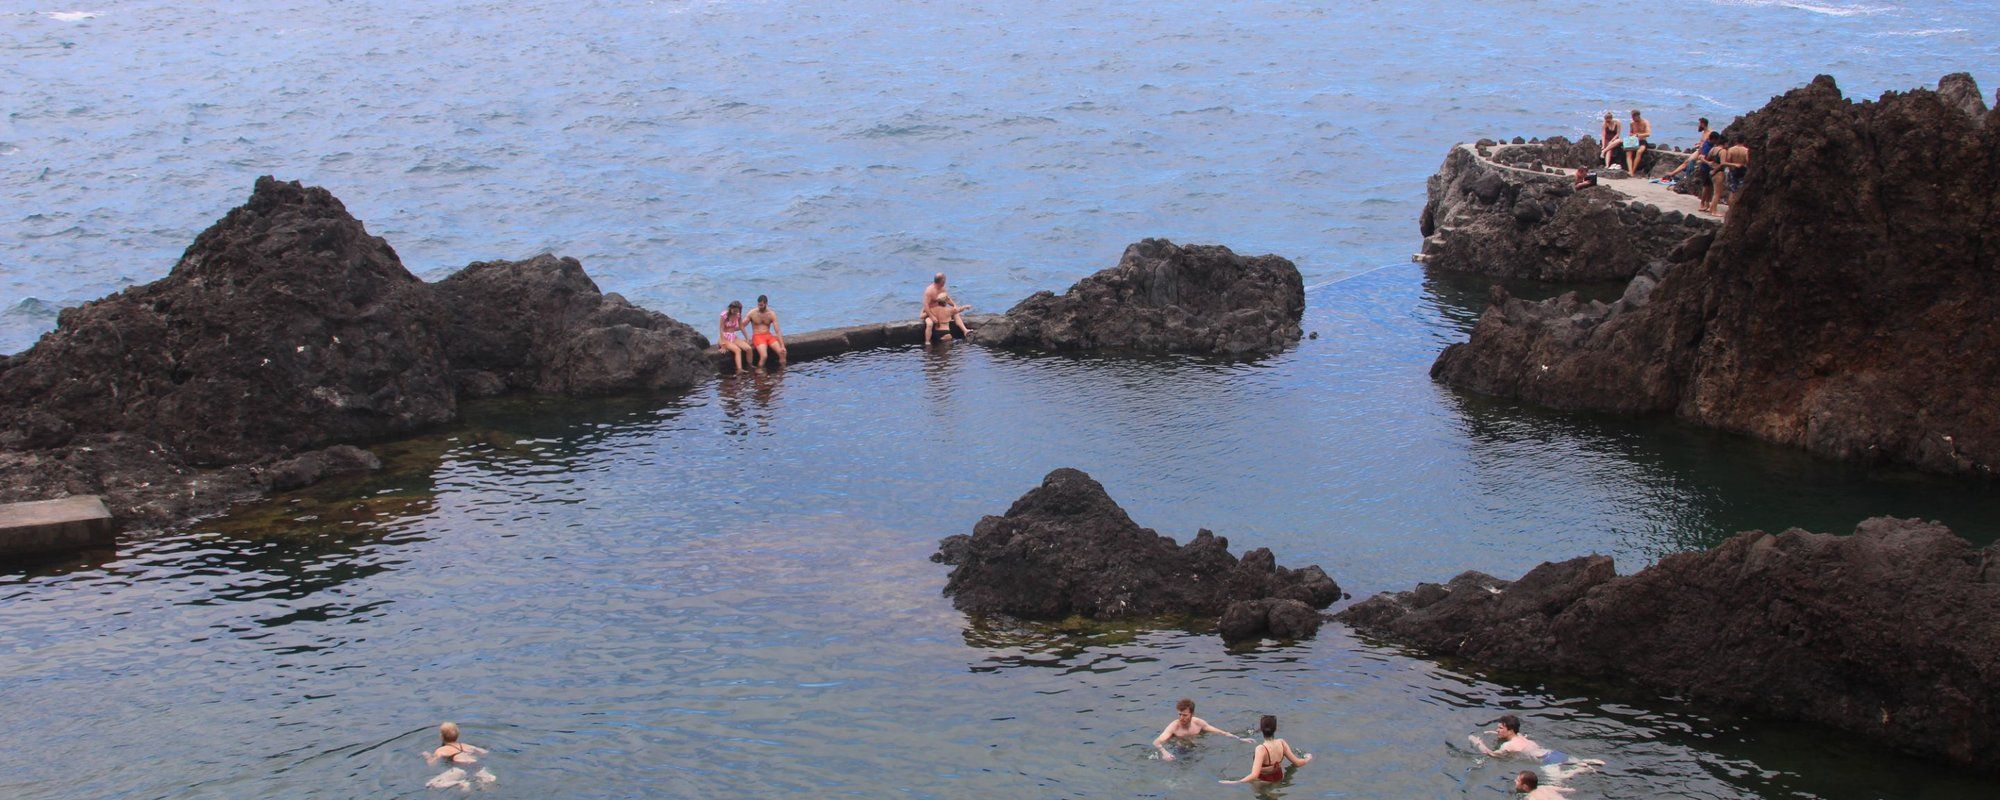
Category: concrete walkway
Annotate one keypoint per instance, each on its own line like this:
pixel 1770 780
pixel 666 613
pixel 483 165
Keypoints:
pixel 1635 190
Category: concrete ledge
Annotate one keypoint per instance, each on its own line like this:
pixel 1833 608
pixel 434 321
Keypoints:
pixel 53 526
pixel 834 341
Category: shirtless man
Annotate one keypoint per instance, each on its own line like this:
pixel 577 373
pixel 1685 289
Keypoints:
pixel 940 318
pixel 1527 784
pixel 1187 726
pixel 1735 166
pixel 765 335
pixel 931 293
pixel 1643 131
pixel 1512 743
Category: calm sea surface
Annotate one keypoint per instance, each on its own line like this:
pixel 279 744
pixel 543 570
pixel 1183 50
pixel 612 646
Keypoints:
pixel 725 592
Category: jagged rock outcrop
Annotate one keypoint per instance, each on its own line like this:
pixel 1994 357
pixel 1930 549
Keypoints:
pixel 284 325
pixel 1163 297
pixel 1851 305
pixel 1960 91
pixel 541 325
pixel 1066 549
pixel 287 327
pixel 1508 222
pixel 1892 633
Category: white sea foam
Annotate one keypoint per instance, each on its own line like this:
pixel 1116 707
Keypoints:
pixel 70 16
pixel 1831 9
pixel 1924 32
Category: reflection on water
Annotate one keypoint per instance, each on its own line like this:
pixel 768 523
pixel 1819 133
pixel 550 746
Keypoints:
pixel 729 587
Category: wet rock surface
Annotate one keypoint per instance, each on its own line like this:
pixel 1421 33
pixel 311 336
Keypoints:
pixel 1163 297
pixel 1508 223
pixel 1892 633
pixel 542 325
pixel 286 327
pixel 1066 549
pixel 1849 306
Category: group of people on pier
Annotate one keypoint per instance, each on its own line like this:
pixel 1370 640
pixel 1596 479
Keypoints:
pixel 941 319
pixel 1714 170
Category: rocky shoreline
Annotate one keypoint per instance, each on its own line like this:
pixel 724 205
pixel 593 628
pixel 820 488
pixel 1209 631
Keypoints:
pixel 1892 633
pixel 1848 307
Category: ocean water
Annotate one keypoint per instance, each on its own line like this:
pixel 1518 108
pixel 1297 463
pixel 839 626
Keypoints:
pixel 726 591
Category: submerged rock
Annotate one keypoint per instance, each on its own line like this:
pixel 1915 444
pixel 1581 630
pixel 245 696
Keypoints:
pixel 1066 549
pixel 1163 297
pixel 1893 632
pixel 1849 306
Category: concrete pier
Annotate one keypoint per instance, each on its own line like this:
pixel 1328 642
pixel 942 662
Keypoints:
pixel 54 526
pixel 834 341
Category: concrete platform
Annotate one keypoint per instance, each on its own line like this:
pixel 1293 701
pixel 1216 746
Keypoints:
pixel 834 341
pixel 55 526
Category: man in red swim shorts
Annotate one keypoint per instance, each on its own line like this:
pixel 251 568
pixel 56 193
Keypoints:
pixel 765 335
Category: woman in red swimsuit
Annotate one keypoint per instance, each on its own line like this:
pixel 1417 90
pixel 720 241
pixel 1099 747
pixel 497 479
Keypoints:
pixel 1268 765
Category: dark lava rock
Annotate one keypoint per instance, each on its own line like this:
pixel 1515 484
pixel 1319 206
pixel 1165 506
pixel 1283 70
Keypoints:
pixel 283 326
pixel 1849 307
pixel 1960 91
pixel 286 327
pixel 1893 633
pixel 1490 220
pixel 1164 297
pixel 542 325
pixel 310 468
pixel 1276 618
pixel 1066 549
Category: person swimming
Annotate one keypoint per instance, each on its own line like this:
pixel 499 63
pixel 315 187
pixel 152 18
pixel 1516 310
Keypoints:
pixel 1512 743
pixel 1187 726
pixel 1267 765
pixel 458 754
pixel 1527 784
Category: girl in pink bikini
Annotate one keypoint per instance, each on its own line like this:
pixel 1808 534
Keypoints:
pixel 730 338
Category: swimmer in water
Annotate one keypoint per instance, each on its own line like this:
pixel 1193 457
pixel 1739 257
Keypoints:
pixel 1267 765
pixel 1531 787
pixel 1557 763
pixel 458 754
pixel 1187 726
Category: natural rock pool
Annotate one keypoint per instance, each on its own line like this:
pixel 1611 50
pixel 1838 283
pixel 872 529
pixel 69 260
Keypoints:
pixel 727 592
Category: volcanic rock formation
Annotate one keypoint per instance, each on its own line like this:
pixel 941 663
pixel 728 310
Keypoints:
pixel 1893 632
pixel 1163 297
pixel 1510 220
pixel 1066 549
pixel 286 326
pixel 1851 305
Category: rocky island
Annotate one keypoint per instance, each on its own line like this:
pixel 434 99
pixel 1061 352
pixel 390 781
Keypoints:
pixel 1066 549
pixel 1850 306
pixel 1162 297
pixel 286 328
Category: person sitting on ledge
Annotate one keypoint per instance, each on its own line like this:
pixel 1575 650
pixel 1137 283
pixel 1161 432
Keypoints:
pixel 1636 144
pixel 1584 179
pixel 1187 726
pixel 944 320
pixel 1557 763
pixel 765 334
pixel 1611 144
pixel 1527 784
pixel 1702 141
pixel 1267 765
pixel 730 338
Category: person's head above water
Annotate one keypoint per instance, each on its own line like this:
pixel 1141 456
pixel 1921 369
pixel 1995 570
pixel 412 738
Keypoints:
pixel 1526 781
pixel 1508 727
pixel 1184 707
pixel 448 732
pixel 1268 725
